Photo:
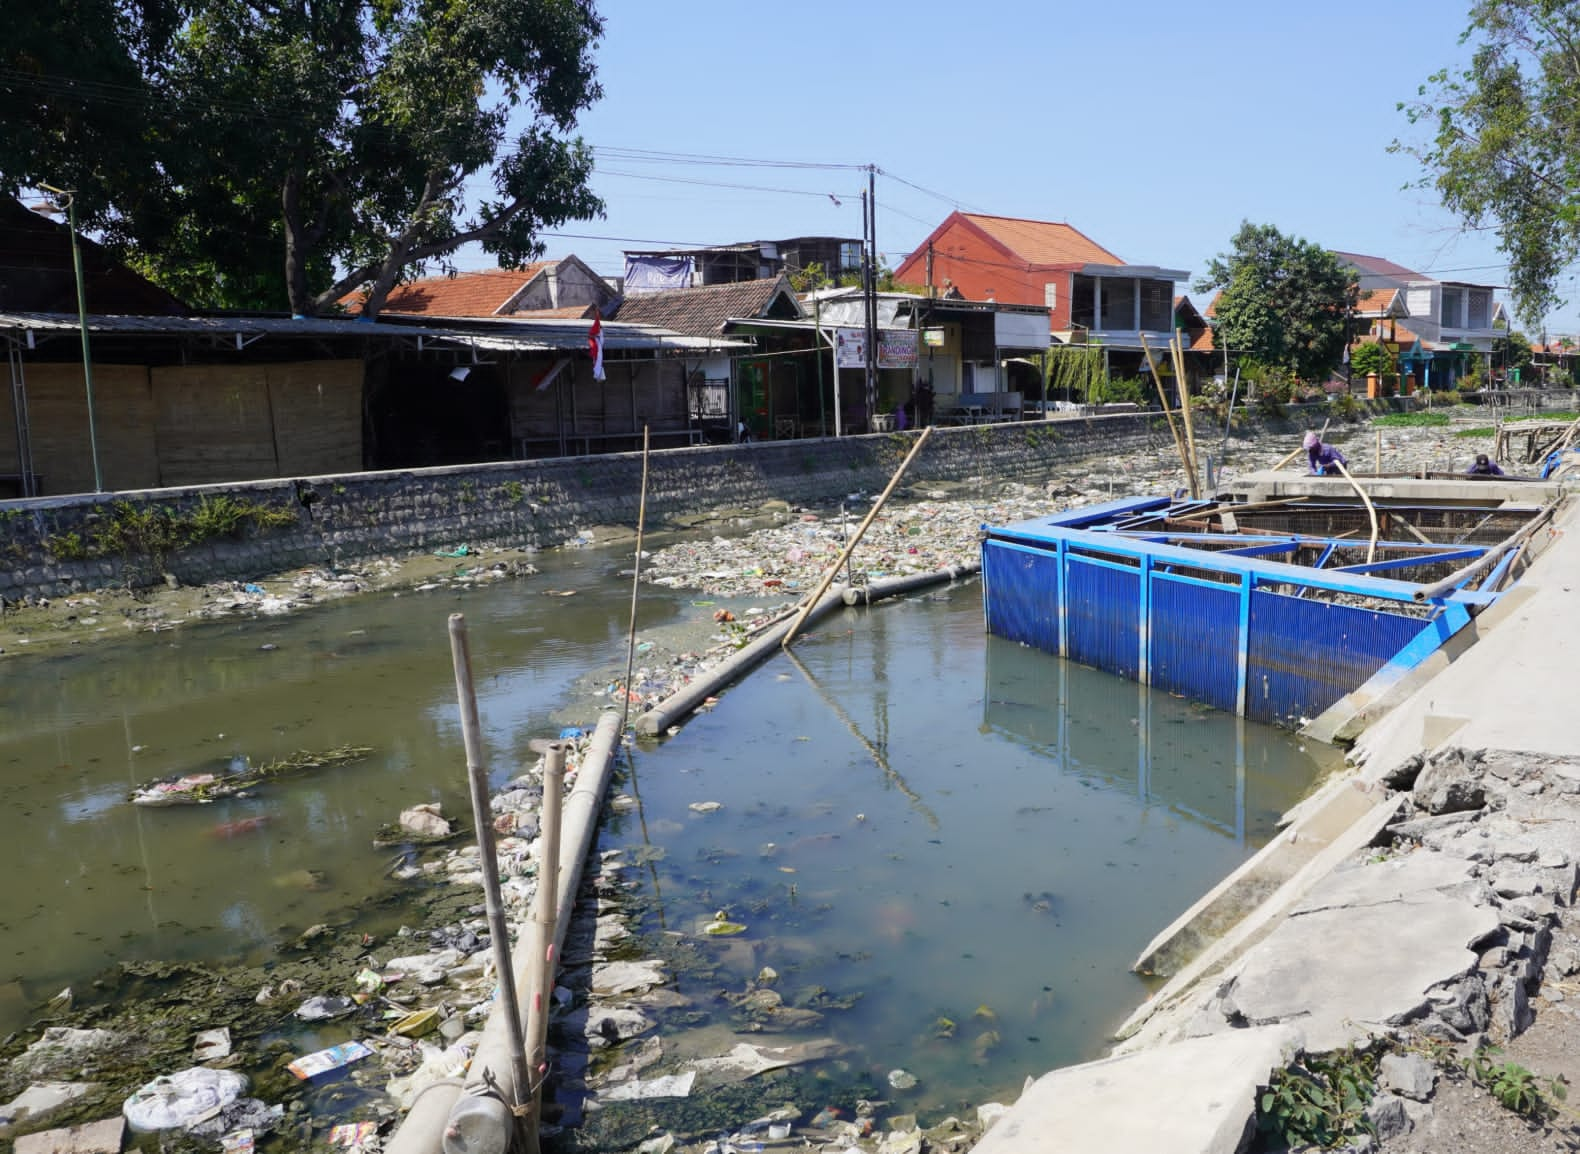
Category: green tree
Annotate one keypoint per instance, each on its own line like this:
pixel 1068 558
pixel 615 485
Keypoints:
pixel 287 153
pixel 1371 357
pixel 1284 300
pixel 1513 352
pixel 1504 149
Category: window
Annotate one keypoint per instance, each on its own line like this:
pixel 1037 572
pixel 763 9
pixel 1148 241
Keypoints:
pixel 1453 308
pixel 1157 305
pixel 1083 306
pixel 1480 309
pixel 1119 305
pixel 1050 294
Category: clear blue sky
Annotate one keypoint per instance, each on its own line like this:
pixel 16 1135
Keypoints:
pixel 1154 127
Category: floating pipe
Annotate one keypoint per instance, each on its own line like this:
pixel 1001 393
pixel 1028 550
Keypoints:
pixel 894 586
pixel 678 704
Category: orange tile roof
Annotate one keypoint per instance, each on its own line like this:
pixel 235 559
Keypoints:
pixel 1041 242
pixel 467 294
pixel 1376 300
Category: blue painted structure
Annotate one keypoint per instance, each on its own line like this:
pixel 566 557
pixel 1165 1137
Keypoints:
pixel 1216 617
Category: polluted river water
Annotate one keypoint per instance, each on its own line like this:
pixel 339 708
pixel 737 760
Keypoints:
pixel 949 845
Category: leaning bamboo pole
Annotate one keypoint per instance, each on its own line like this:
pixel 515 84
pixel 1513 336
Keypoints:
pixel 1177 352
pixel 1163 396
pixel 850 546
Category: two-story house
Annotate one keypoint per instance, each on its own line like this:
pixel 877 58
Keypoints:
pixel 1092 296
pixel 1438 329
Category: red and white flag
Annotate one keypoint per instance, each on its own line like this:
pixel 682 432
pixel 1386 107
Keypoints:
pixel 595 347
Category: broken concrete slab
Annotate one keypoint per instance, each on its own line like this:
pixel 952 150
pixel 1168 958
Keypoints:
pixel 627 977
pixel 1340 970
pixel 1419 877
pixel 102 1137
pixel 41 1100
pixel 1199 1095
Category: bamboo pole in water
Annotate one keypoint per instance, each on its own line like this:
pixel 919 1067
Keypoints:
pixel 636 580
pixel 1177 351
pixel 482 818
pixel 850 546
pixel 545 920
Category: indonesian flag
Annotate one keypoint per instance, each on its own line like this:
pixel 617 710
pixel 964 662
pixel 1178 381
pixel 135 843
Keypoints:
pixel 595 347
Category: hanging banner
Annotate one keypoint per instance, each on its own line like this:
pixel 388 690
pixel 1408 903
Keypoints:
pixel 850 349
pixel 897 348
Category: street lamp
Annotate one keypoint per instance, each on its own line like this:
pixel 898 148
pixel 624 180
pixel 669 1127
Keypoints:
pixel 82 322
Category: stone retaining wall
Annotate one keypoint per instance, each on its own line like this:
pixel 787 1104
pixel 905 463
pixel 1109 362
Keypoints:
pixel 52 546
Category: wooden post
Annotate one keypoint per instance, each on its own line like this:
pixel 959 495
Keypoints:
pixel 636 584
pixel 1163 396
pixel 850 547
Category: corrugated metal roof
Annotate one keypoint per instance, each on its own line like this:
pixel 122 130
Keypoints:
pixel 505 334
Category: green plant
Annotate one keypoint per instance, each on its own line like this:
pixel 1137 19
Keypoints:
pixel 514 492
pixel 466 492
pixel 1478 431
pixel 1320 1102
pixel 1515 1087
pixel 1344 406
pixel 1410 420
pixel 66 547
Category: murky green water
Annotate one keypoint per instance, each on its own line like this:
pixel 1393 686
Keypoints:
pixel 92 880
pixel 911 812
pixel 953 827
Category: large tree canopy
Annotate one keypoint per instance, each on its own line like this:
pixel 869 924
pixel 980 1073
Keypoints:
pixel 1505 149
pixel 1284 300
pixel 272 153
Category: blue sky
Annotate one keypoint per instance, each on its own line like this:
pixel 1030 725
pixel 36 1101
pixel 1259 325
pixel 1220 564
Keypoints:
pixel 1154 127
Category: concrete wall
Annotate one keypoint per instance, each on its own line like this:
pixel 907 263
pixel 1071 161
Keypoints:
pixel 536 503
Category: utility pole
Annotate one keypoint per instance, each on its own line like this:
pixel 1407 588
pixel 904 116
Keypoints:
pixel 82 323
pixel 870 230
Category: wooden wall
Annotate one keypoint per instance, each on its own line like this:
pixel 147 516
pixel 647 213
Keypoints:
pixel 635 393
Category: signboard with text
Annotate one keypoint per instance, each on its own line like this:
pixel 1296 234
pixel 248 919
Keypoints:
pixel 850 349
pixel 897 348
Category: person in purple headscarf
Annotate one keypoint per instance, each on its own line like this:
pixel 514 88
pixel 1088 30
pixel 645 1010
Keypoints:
pixel 1324 460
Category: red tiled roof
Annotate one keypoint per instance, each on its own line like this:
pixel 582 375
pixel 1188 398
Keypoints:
pixel 467 294
pixel 701 312
pixel 1042 242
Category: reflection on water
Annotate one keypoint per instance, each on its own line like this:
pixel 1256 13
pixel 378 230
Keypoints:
pixel 92 880
pixel 975 838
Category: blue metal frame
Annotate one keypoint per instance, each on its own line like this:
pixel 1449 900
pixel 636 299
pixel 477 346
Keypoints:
pixel 1312 668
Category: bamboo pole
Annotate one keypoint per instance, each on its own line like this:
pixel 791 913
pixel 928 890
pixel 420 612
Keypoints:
pixel 850 546
pixel 482 818
pixel 1177 350
pixel 1163 396
pixel 1486 560
pixel 636 580
pixel 545 921
pixel 1371 510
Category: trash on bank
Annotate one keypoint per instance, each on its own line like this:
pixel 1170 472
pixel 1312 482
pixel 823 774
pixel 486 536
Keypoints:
pixel 176 1101
pixel 325 1007
pixel 321 1062
pixel 211 1045
pixel 353 1135
pixel 425 820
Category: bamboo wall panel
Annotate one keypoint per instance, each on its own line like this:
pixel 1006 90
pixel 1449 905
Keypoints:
pixel 317 409
pixel 57 406
pixel 214 423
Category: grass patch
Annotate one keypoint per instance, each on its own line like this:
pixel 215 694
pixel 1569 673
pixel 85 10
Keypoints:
pixel 1410 420
pixel 1478 431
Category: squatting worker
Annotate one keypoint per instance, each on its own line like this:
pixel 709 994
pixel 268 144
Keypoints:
pixel 1485 466
pixel 1323 459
